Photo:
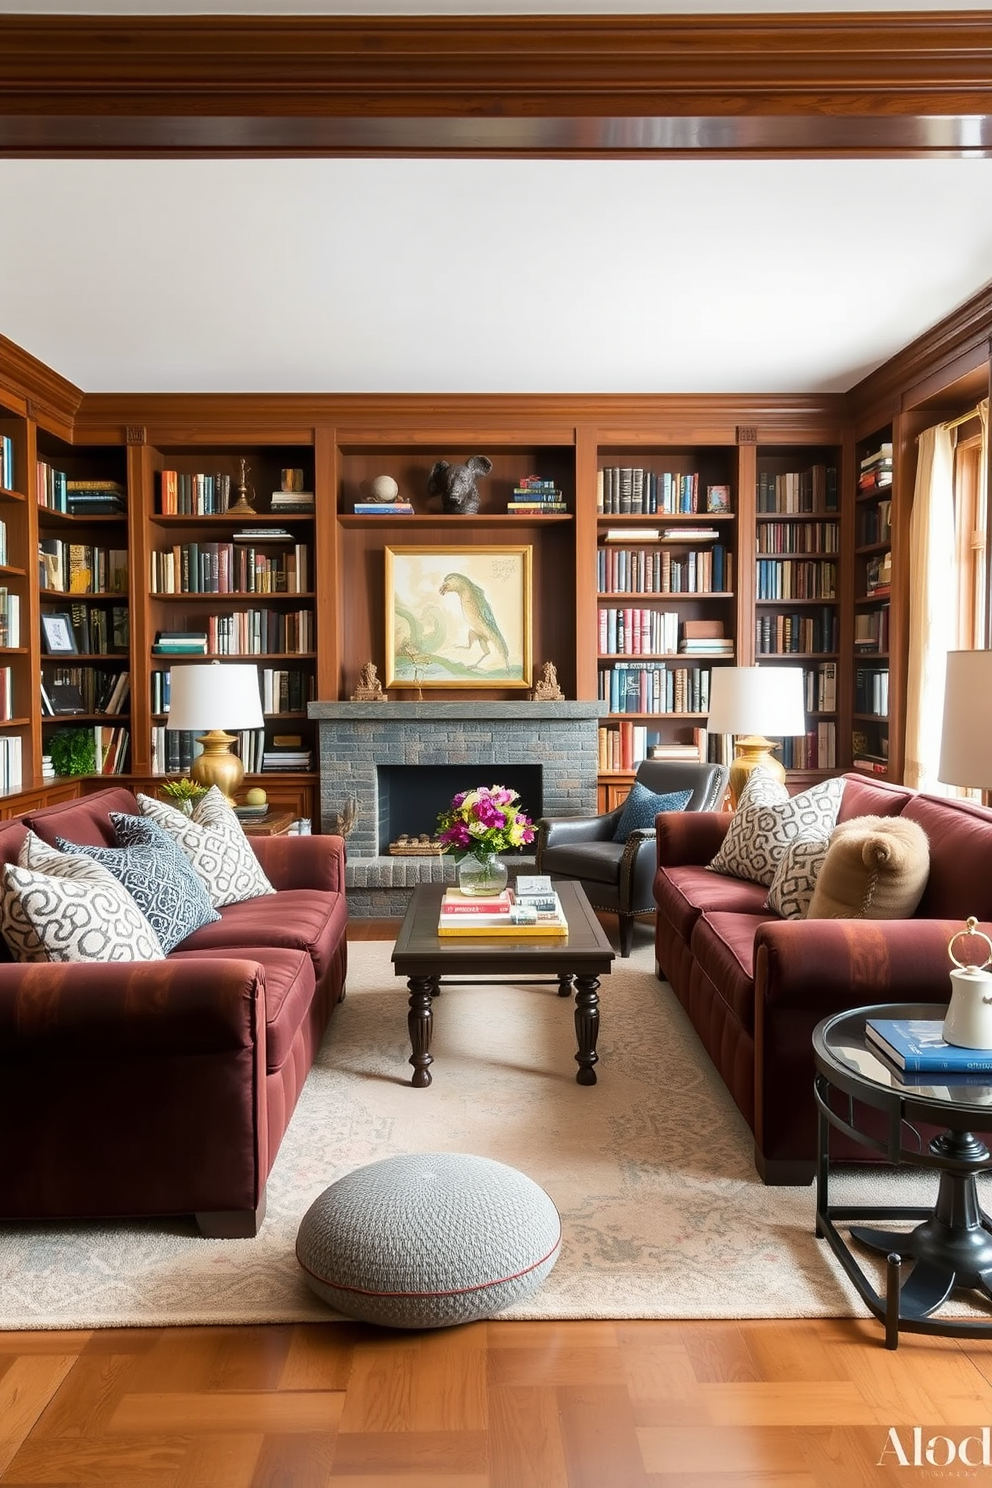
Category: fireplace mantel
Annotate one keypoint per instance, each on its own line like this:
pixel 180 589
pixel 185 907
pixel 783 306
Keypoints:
pixel 456 712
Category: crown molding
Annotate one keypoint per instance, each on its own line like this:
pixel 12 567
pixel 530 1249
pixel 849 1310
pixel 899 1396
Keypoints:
pixel 837 83
pixel 41 393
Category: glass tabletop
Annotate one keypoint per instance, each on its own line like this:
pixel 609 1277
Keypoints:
pixel 840 1042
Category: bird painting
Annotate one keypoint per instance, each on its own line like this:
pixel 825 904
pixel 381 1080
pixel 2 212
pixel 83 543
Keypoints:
pixel 479 619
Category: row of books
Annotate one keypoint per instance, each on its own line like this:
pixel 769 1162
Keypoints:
pixel 878 575
pixel 797 634
pixel 653 687
pixel 871 629
pixel 261 633
pixel 799 537
pixel 874 523
pixel 111 744
pixel 875 470
pixel 283 689
pixel 100 630
pixel 820 687
pixel 174 750
pixel 6 694
pixel 797 492
pixel 10 617
pixel 624 490
pixel 74 689
pixel 223 568
pixel 530 908
pixel 81 568
pixel 7 474
pixel 624 744
pixel 633 631
pixel 640 571
pixel 796 578
pixel 815 750
pixel 56 492
pixel 871 690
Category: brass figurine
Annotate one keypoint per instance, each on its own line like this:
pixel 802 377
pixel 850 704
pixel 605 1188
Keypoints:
pixel 547 690
pixel 369 689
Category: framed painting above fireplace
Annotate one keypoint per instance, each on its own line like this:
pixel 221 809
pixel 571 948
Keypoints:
pixel 458 617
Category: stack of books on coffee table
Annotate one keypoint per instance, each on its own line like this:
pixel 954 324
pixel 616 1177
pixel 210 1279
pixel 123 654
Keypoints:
pixel 507 913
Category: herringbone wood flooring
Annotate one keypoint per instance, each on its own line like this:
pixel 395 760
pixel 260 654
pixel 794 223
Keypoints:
pixel 493 1405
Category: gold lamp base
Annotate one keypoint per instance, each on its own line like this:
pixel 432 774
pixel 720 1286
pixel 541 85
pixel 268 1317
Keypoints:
pixel 217 765
pixel 752 750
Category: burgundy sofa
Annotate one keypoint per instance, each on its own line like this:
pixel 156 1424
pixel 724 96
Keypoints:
pixel 165 1088
pixel 755 986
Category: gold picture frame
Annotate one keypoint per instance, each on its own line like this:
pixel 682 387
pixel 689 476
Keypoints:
pixel 458 617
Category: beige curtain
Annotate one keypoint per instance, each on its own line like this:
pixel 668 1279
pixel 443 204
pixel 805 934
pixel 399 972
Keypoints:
pixel 932 616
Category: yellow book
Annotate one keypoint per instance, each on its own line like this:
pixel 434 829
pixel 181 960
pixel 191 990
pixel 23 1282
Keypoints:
pixel 483 932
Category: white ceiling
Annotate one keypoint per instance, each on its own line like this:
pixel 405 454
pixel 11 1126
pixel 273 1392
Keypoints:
pixel 433 275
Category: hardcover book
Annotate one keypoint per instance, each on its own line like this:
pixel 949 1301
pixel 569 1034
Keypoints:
pixel 918 1044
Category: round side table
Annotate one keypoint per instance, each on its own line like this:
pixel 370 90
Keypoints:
pixel 951 1245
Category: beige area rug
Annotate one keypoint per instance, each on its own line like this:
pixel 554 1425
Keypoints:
pixel 663 1214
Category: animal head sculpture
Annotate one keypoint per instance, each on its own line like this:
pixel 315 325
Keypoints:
pixel 456 484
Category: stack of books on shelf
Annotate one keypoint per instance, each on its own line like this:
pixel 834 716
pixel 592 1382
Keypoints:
pixel 292 501
pixel 533 496
pixel 914 1050
pixel 51 487
pixel 383 508
pixel 287 753
pixel 878 576
pixel 531 908
pixel 6 462
pixel 180 643
pixel 705 638
pixel 95 498
pixel 624 490
pixel 876 470
pixel 794 492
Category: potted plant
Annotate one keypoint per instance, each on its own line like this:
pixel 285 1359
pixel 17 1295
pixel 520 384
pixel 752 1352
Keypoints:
pixel 73 751
pixel 183 793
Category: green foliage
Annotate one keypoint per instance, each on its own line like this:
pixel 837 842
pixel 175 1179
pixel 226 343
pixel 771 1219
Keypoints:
pixel 182 790
pixel 73 751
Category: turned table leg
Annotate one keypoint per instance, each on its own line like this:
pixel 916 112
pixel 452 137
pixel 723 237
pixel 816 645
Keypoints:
pixel 420 1021
pixel 586 1027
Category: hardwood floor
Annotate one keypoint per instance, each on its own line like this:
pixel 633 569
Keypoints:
pixel 494 1405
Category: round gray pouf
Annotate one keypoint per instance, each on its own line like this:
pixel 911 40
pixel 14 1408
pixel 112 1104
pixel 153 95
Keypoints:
pixel 428 1240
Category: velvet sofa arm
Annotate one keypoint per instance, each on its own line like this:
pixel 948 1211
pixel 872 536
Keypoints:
pixel 315 862
pixel 685 837
pixel 825 966
pixel 128 1009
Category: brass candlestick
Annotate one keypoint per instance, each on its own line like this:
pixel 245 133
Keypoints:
pixel 243 507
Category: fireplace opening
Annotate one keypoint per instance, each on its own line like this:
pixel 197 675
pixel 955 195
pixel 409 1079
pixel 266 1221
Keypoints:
pixel 411 797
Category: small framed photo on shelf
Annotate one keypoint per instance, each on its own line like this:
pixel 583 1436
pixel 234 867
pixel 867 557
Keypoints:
pixel 718 498
pixel 56 633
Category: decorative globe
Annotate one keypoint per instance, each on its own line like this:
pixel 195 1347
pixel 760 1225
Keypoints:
pixel 383 488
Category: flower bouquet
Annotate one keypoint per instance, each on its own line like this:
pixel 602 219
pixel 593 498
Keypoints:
pixel 477 826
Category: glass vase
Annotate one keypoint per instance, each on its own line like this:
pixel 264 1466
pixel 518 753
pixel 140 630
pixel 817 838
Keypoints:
pixel 482 875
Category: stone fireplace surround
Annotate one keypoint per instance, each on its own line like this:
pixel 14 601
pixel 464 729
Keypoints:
pixel 356 739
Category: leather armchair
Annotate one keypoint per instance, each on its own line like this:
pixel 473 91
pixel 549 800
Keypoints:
pixel 619 876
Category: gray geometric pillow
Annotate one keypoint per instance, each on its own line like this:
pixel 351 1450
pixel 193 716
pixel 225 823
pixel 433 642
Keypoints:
pixel 216 846
pixel 758 836
pixel 70 909
pixel 795 877
pixel 159 878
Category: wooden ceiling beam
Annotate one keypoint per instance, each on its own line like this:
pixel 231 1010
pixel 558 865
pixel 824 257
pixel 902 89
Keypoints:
pixel 900 83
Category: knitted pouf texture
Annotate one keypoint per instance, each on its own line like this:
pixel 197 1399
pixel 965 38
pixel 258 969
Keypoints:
pixel 428 1240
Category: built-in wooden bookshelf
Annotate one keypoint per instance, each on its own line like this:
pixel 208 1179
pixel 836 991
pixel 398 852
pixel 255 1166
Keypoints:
pixel 588 563
pixel 870 672
pixel 798 567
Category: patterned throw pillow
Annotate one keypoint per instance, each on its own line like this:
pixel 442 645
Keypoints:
pixel 795 877
pixel 159 877
pixel 758 835
pixel 216 846
pixel 642 806
pixel 62 907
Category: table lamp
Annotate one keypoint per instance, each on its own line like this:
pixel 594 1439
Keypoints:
pixel 209 699
pixel 966 734
pixel 751 702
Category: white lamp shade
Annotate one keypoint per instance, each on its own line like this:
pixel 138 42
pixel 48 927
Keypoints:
pixel 966 736
pixel 214 696
pixel 757 700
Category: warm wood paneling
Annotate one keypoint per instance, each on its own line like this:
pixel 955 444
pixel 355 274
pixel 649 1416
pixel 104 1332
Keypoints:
pixel 543 85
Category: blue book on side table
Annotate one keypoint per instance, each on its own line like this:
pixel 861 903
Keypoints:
pixel 917 1044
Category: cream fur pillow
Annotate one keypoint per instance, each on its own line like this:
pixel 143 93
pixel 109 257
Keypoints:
pixel 876 868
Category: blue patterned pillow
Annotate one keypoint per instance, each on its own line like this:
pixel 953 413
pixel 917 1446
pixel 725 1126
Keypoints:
pixel 642 806
pixel 158 876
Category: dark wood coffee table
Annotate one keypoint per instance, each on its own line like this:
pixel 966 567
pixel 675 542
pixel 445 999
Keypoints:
pixel 577 960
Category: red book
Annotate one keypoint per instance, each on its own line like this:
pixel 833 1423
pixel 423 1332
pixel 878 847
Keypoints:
pixel 457 903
